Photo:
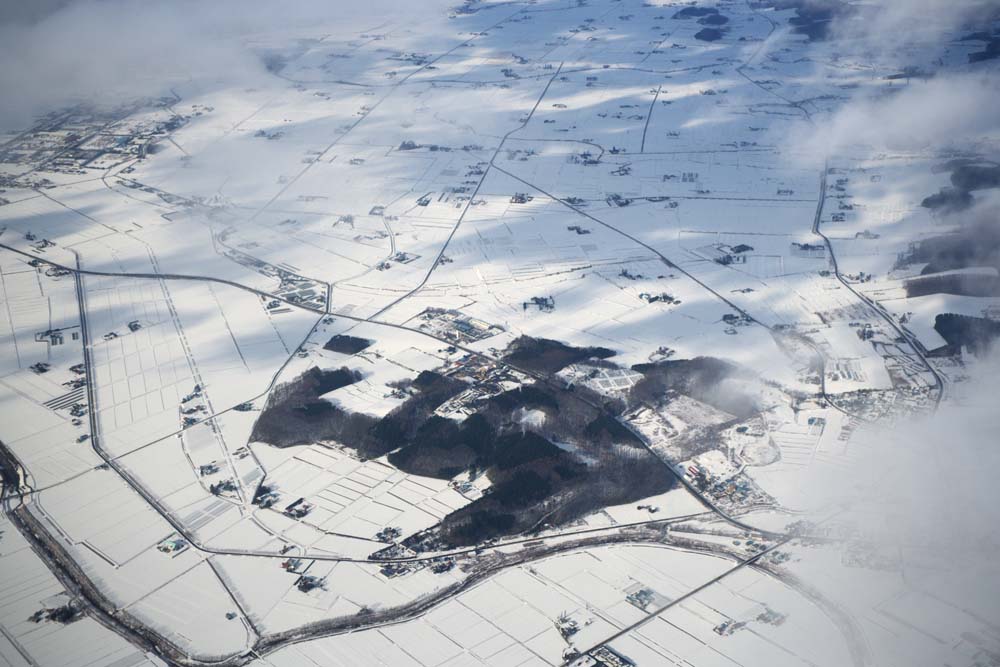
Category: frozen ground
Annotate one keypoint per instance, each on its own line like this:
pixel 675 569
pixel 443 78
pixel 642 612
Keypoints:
pixel 741 312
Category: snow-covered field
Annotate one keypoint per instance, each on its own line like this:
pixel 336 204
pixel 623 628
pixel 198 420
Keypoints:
pixel 389 196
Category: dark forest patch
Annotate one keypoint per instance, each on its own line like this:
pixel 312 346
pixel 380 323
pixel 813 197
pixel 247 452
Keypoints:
pixel 714 19
pixel 966 177
pixel 326 381
pixel 65 614
pixel 398 428
pixel 532 478
pixel 347 344
pixel 975 333
pixel 978 36
pixel 701 378
pixel 991 52
pixel 606 429
pixel 578 459
pixel 976 245
pixel 949 200
pixel 542 355
pixel 970 177
pixel 515 449
pixel 295 414
pixel 709 34
pixel 961 284
pixel 813 18
pixel 493 438
pixel 527 397
pixel 443 448
pixel 695 12
pixel 542 483
pixel 550 491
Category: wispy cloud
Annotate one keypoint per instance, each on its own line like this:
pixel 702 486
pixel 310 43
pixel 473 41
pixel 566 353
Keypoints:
pixel 939 470
pixel 953 106
pixel 57 52
pixel 955 111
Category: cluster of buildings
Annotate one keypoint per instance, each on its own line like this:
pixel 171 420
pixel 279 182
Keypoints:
pixel 734 491
pixel 173 545
pixel 456 327
pixel 189 414
pixel 605 656
pixel 292 287
pixel 74 140
pixel 298 509
pixel 486 380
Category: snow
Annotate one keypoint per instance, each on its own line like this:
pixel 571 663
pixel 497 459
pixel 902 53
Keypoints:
pixel 470 160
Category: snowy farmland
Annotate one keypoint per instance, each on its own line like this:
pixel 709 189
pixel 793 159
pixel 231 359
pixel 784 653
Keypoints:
pixel 603 333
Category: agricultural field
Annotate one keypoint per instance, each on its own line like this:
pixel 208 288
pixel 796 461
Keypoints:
pixel 590 333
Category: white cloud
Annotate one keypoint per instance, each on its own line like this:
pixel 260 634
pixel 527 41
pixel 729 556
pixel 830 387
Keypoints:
pixel 63 51
pixel 940 469
pixel 955 110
